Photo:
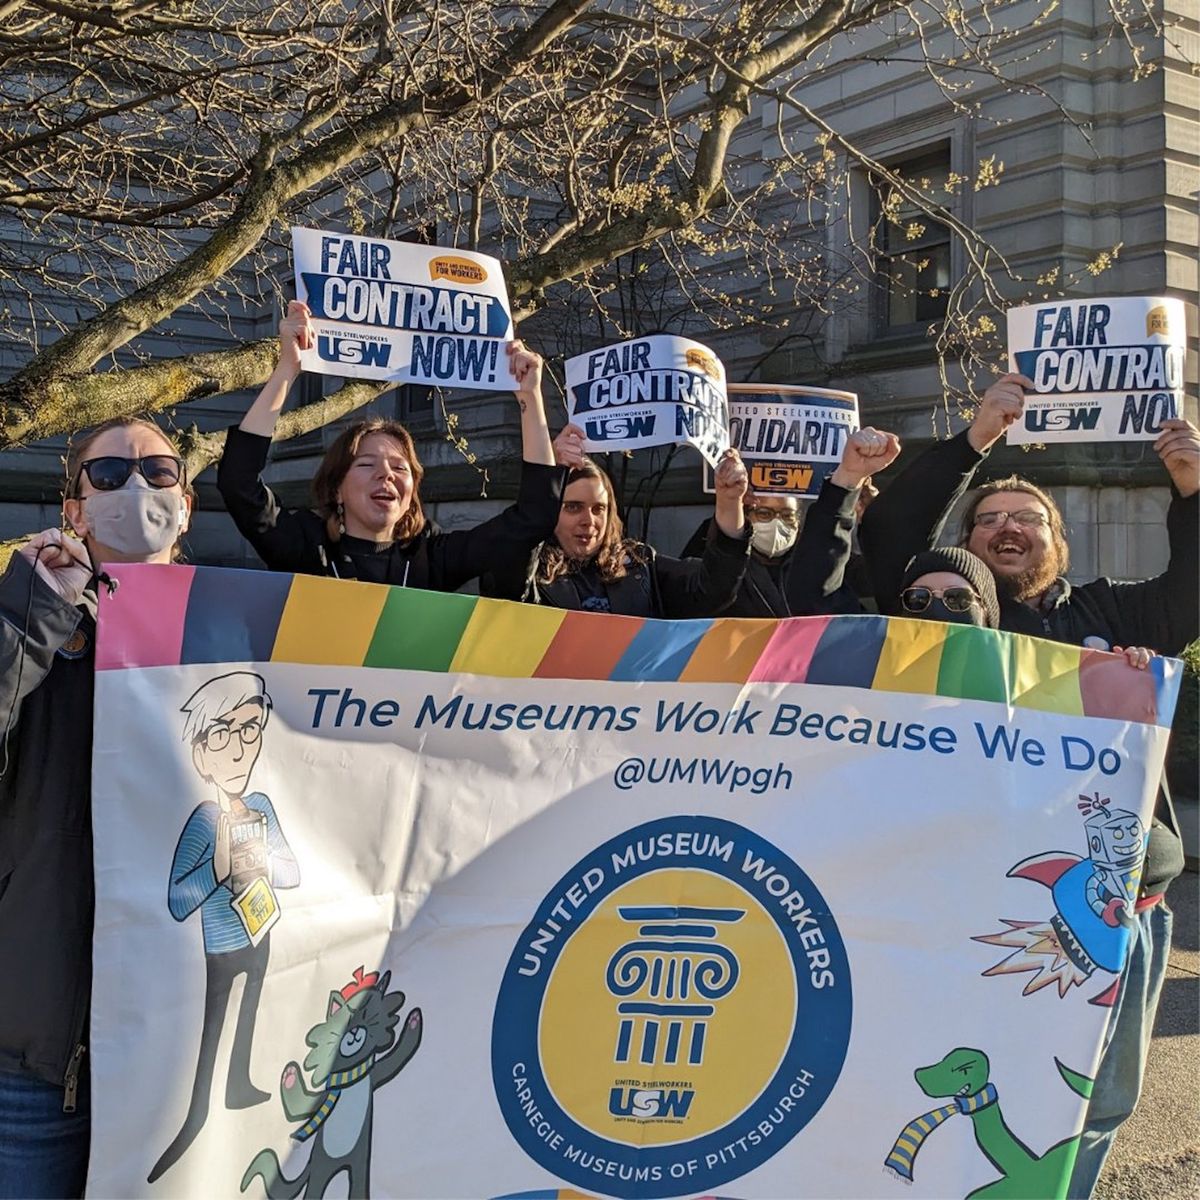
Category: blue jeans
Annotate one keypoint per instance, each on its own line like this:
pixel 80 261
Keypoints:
pixel 1126 1045
pixel 43 1150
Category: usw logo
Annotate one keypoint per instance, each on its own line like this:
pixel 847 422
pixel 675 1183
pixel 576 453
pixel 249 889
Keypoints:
pixel 649 1103
pixel 353 350
pixel 1067 419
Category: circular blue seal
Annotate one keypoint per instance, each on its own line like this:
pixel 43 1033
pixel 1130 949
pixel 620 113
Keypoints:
pixel 676 1011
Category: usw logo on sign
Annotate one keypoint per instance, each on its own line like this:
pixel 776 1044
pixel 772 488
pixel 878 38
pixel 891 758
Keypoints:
pixel 646 1104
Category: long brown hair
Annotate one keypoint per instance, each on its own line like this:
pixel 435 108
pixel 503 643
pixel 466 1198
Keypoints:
pixel 76 456
pixel 338 460
pixel 616 550
pixel 1015 483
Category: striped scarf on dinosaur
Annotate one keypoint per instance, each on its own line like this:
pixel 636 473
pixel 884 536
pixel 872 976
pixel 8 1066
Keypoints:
pixel 334 1084
pixel 912 1137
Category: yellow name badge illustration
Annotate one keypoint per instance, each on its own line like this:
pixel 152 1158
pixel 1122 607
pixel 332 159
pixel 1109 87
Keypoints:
pixel 457 270
pixel 257 909
pixel 1157 321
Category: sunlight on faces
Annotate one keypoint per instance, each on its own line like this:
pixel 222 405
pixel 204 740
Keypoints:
pixel 583 519
pixel 1021 557
pixel 377 489
pixel 131 441
pixel 227 752
pixel 941 580
pixel 779 505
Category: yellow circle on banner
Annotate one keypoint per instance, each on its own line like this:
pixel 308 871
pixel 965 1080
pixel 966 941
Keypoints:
pixel 669 1010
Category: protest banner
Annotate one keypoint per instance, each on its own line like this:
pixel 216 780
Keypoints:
pixel 652 391
pixel 565 902
pixel 403 312
pixel 1106 370
pixel 791 438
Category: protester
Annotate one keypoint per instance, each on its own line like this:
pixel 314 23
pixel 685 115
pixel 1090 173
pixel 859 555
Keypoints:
pixel 590 564
pixel 799 563
pixel 774 526
pixel 1018 531
pixel 126 497
pixel 816 583
pixel 368 523
pixel 950 585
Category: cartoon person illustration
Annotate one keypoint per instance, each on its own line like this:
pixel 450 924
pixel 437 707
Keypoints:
pixel 230 858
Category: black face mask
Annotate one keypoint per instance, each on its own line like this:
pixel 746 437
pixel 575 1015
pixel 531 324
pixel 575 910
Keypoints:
pixel 937 611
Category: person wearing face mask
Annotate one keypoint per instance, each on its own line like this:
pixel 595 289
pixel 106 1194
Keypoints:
pixel 126 500
pixel 798 563
pixel 950 585
pixel 589 564
pixel 368 523
pixel 774 526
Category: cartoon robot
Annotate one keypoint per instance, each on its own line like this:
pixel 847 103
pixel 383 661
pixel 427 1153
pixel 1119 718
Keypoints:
pixel 1093 906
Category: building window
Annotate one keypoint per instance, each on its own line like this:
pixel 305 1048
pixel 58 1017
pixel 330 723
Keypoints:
pixel 912 251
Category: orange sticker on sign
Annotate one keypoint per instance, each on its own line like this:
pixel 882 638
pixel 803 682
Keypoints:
pixel 701 360
pixel 780 477
pixel 457 270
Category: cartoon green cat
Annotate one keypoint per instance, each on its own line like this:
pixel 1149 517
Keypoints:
pixel 354 1053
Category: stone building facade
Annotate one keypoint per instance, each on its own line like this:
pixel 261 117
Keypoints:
pixel 1061 200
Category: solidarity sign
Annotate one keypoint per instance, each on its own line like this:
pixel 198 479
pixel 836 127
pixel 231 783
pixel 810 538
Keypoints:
pixel 403 312
pixel 651 391
pixel 790 438
pixel 1103 370
pixel 422 895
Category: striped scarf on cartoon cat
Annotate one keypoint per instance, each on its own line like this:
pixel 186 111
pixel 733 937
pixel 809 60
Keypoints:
pixel 336 1081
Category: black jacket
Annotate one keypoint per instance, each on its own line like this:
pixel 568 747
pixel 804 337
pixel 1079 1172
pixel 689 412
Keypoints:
pixel 46 882
pixel 296 539
pixel 810 579
pixel 674 588
pixel 1162 614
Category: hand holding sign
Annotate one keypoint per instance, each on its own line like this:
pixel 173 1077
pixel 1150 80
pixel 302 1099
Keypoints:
pixel 867 450
pixel 1002 404
pixel 295 335
pixel 568 447
pixel 731 482
pixel 1179 448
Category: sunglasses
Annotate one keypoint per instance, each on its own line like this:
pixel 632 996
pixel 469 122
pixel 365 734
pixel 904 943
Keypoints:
pixel 1030 518
pixel 109 473
pixel 956 599
pixel 789 518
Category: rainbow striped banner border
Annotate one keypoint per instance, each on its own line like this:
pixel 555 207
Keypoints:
pixel 168 616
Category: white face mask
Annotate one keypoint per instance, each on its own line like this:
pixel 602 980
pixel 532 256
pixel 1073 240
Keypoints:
pixel 136 521
pixel 772 538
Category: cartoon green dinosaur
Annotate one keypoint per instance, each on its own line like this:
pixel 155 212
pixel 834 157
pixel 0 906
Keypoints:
pixel 963 1075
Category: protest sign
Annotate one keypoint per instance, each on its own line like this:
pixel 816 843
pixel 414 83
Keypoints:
pixel 790 438
pixel 403 312
pixel 1104 370
pixel 601 905
pixel 651 391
